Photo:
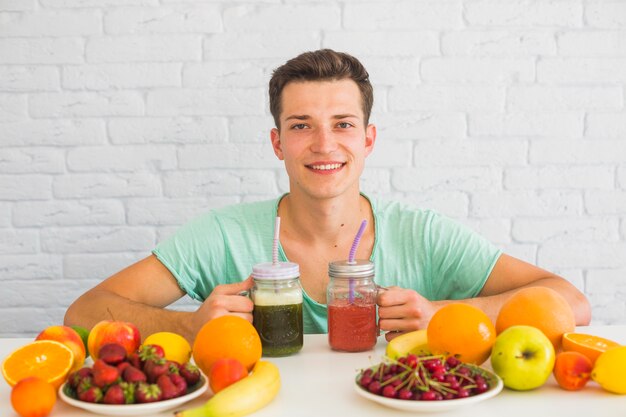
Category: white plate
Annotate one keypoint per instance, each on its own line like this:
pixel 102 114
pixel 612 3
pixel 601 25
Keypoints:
pixel 432 406
pixel 135 409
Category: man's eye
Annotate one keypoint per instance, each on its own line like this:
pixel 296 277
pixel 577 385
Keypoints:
pixel 344 125
pixel 299 126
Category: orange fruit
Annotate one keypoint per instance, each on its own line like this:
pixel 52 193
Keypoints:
pixel 226 337
pixel 589 345
pixel 539 307
pixel 33 397
pixel 46 359
pixel 461 330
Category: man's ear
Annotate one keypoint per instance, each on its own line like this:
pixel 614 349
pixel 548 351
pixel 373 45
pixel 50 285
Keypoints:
pixel 276 145
pixel 370 138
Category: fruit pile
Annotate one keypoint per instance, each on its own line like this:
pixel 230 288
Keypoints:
pixel 425 378
pixel 531 329
pixel 144 376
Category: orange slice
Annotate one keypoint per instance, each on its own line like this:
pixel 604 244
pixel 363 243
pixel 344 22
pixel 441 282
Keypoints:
pixel 46 359
pixel 589 345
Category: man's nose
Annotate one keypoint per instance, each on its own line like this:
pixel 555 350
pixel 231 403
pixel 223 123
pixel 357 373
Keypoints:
pixel 324 141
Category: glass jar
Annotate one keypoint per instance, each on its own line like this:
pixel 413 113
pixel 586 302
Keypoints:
pixel 351 298
pixel 277 315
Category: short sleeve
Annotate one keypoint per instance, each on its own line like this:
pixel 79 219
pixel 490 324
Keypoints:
pixel 192 252
pixel 461 260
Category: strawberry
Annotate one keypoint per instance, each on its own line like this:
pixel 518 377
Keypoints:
pixel 122 365
pixel 168 389
pixel 132 374
pixel 77 376
pixel 112 353
pixel 135 360
pixel 154 368
pixel 84 385
pixel 147 393
pixel 91 395
pixel 128 389
pixel 114 395
pixel 173 367
pixel 191 373
pixel 150 352
pixel 181 384
pixel 104 374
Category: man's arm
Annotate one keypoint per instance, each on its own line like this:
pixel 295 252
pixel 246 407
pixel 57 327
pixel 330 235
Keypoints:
pixel 403 310
pixel 140 293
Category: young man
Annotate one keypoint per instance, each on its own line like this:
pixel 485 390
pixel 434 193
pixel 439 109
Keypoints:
pixel 321 103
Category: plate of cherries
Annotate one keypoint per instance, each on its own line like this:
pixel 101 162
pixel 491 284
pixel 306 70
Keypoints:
pixel 426 383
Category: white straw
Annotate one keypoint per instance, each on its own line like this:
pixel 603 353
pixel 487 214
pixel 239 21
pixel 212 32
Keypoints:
pixel 276 234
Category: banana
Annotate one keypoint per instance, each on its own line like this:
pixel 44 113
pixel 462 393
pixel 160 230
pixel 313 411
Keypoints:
pixel 243 397
pixel 415 342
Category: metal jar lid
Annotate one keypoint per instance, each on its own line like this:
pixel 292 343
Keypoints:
pixel 271 271
pixel 346 269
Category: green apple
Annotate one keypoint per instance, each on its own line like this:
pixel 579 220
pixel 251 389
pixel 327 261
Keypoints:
pixel 414 342
pixel 523 357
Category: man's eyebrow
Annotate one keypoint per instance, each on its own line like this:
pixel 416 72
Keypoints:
pixel 344 116
pixel 298 117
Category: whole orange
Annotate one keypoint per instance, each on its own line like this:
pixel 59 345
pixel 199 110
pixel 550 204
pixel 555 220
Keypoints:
pixel 226 337
pixel 540 307
pixel 33 397
pixel 461 330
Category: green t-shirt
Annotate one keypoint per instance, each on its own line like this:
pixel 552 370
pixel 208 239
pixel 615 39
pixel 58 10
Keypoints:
pixel 417 249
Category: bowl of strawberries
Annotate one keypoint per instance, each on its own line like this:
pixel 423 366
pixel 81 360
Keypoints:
pixel 132 384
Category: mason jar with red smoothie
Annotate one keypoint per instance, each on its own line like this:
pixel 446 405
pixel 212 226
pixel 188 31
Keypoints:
pixel 351 299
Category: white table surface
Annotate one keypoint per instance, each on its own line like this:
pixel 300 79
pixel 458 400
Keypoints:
pixel 319 382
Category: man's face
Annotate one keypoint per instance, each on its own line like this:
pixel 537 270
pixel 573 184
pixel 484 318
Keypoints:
pixel 323 138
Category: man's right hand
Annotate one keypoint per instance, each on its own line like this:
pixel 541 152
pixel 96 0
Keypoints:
pixel 225 299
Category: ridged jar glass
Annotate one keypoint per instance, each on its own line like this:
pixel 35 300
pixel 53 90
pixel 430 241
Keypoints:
pixel 277 315
pixel 351 299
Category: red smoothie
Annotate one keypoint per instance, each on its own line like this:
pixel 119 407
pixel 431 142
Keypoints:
pixel 352 327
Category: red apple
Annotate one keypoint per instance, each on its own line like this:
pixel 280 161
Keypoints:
pixel 112 331
pixel 70 338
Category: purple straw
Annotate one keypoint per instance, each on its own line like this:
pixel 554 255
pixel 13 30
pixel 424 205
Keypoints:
pixel 357 239
pixel 355 244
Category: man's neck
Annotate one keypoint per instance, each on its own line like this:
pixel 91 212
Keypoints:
pixel 320 221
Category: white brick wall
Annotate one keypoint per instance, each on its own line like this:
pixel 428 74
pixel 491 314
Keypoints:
pixel 122 119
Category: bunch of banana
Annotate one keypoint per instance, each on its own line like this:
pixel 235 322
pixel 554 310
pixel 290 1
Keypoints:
pixel 243 397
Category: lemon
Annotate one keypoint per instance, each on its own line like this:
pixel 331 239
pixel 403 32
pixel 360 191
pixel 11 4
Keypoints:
pixel 609 370
pixel 175 346
pixel 414 342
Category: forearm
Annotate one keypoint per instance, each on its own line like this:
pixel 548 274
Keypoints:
pixel 491 304
pixel 100 304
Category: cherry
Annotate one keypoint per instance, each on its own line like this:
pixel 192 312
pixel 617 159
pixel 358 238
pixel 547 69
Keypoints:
pixel 389 392
pixel 452 361
pixel 428 396
pixel 405 394
pixel 365 380
pixel 462 393
pixel 374 387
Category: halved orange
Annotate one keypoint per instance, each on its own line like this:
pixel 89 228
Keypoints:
pixel 589 345
pixel 47 359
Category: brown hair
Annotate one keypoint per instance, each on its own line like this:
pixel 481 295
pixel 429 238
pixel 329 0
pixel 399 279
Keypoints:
pixel 321 65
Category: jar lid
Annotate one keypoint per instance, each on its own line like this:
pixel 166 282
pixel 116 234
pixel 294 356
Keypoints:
pixel 346 269
pixel 271 271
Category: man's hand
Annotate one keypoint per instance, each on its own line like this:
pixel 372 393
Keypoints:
pixel 225 299
pixel 401 311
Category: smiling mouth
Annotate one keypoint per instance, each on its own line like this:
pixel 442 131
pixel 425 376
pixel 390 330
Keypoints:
pixel 326 167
